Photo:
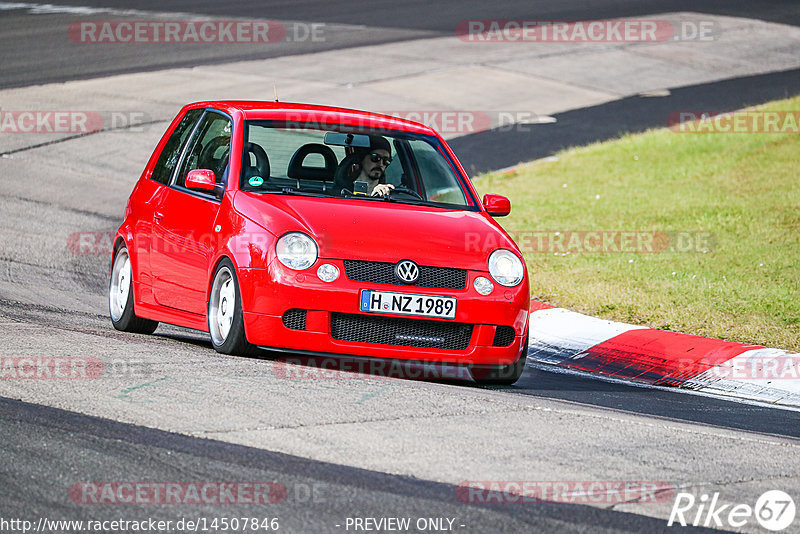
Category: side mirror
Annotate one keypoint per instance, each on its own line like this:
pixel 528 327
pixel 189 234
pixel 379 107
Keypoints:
pixel 497 205
pixel 202 179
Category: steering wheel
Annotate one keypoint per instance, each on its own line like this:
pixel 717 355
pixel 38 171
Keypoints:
pixel 406 191
pixel 208 160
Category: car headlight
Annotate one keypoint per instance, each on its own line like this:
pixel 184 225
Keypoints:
pixel 505 267
pixel 296 251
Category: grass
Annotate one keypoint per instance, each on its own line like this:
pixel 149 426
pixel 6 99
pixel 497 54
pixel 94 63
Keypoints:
pixel 737 196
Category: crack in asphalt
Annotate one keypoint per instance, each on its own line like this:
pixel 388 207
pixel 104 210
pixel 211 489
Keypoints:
pixel 58 270
pixel 6 304
pixel 25 313
pixel 78 211
pixel 789 440
pixel 505 409
pixel 6 153
pixel 794 442
pixel 641 499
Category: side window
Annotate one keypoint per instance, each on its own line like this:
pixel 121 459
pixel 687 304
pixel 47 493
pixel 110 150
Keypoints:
pixel 210 148
pixel 394 172
pixel 162 171
pixel 441 184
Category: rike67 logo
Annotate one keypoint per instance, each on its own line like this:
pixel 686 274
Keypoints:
pixel 774 511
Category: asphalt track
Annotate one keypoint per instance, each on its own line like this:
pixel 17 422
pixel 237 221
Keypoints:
pixel 28 43
pixel 45 447
pixel 378 447
pixel 180 384
pixel 30 35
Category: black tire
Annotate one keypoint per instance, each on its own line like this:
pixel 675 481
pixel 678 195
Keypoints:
pixel 120 306
pixel 504 375
pixel 233 340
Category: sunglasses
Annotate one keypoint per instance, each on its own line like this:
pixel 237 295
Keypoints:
pixel 375 158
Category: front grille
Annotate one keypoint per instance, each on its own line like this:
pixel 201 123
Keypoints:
pixel 397 331
pixel 295 319
pixel 383 273
pixel 503 336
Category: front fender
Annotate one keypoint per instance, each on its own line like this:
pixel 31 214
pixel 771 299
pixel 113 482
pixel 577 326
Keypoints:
pixel 247 244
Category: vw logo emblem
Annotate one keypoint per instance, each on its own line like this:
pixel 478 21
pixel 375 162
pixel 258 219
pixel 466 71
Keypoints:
pixel 407 271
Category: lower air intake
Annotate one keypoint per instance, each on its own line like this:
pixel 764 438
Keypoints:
pixel 398 331
pixel 503 336
pixel 295 319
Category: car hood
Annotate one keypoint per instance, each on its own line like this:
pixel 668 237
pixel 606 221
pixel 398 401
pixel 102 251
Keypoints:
pixel 380 231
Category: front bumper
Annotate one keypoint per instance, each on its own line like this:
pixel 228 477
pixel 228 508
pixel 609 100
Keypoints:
pixel 267 294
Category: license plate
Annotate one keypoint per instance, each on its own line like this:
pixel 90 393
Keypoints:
pixel 408 304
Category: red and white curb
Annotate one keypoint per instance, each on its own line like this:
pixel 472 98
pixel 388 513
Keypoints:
pixel 571 340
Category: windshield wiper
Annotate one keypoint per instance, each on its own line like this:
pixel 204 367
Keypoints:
pixel 294 191
pixel 386 198
pixel 411 200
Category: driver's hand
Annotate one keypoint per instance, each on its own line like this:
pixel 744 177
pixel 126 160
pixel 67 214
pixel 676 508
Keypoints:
pixel 381 190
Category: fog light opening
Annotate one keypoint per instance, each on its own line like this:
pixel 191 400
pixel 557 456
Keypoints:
pixel 482 285
pixel 328 272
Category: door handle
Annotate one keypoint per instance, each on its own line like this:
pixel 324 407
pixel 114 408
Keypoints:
pixel 157 216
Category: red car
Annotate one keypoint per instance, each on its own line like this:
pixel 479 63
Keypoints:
pixel 320 230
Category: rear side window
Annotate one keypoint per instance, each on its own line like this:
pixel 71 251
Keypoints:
pixel 172 150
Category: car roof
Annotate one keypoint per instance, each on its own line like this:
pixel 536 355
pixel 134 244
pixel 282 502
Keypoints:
pixel 304 113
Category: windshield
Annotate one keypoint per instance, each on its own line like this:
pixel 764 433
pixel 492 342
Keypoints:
pixel 348 163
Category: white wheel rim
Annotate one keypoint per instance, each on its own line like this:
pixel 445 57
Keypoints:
pixel 120 286
pixel 222 306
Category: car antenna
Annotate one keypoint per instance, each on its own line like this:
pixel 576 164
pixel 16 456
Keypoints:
pixel 276 91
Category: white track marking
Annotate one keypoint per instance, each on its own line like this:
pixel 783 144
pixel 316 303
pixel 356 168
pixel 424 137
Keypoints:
pixel 762 376
pixel 641 385
pixel 50 9
pixel 767 375
pixel 557 334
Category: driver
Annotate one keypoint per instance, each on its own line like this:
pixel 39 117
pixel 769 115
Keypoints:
pixel 370 166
